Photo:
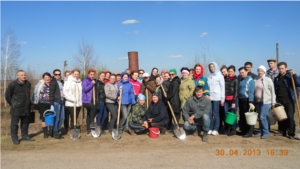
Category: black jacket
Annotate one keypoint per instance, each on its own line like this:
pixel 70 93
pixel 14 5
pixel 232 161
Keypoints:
pixel 158 112
pixel 54 93
pixel 232 87
pixel 173 94
pixel 100 93
pixel 17 96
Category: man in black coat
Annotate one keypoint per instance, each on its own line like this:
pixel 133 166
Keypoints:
pixel 17 96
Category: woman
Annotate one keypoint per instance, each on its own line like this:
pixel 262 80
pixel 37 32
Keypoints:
pixel 224 70
pixel 41 98
pixel 111 93
pixel 135 83
pixel 157 114
pixel 200 80
pixel 100 100
pixel 127 99
pixel 88 84
pixel 136 116
pixel 221 108
pixel 158 89
pixel 231 94
pixel 173 93
pixel 166 81
pixel 72 98
pixel 216 85
pixel 187 86
pixel 107 76
pixel 148 87
pixel 154 72
pixel 264 98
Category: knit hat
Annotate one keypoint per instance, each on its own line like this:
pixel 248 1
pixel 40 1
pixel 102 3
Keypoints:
pixel 155 94
pixel 141 97
pixel 262 68
pixel 185 70
pixel 146 74
pixel 173 71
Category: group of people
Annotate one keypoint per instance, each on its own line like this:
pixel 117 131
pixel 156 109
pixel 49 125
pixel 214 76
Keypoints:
pixel 148 99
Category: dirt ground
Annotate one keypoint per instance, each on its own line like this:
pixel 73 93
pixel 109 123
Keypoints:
pixel 143 152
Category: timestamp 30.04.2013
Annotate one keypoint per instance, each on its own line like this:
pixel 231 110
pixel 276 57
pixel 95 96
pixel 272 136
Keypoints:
pixel 251 152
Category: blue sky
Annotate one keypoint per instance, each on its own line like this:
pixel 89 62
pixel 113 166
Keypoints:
pixel 166 34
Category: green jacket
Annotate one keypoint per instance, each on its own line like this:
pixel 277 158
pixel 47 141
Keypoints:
pixel 137 113
pixel 186 90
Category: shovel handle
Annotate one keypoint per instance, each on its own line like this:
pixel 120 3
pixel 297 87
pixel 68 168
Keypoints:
pixel 74 106
pixel 295 93
pixel 119 108
pixel 94 100
pixel 147 98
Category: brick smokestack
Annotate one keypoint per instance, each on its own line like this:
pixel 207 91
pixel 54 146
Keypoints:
pixel 133 61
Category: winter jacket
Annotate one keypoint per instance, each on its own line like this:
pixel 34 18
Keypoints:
pixel 69 87
pixel 128 96
pixel 288 84
pixel 36 92
pixel 232 87
pixel 202 81
pixel 268 90
pixel 196 107
pixel 173 94
pixel 186 90
pixel 111 92
pixel 246 88
pixel 137 114
pixel 136 86
pixel 150 86
pixel 87 90
pixel 158 112
pixel 100 93
pixel 272 75
pixel 55 92
pixel 216 84
pixel 17 95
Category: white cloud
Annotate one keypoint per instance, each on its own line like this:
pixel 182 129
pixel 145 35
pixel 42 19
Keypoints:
pixel 203 34
pixel 289 54
pixel 23 43
pixel 130 21
pixel 123 58
pixel 136 32
pixel 175 56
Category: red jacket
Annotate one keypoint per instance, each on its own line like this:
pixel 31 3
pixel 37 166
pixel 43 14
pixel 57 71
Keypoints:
pixel 136 86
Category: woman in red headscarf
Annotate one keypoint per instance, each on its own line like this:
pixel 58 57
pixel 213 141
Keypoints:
pixel 199 79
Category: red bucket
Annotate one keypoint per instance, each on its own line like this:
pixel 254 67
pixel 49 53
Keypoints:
pixel 153 132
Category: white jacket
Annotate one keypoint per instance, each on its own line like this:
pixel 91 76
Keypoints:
pixel 69 87
pixel 216 84
pixel 268 90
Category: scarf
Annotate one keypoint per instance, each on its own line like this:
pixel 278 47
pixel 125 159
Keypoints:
pixel 197 76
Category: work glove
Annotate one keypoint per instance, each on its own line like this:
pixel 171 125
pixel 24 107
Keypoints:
pixel 252 107
pixel 52 108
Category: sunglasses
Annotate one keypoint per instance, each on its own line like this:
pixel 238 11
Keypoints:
pixel 57 74
pixel 172 74
pixel 141 73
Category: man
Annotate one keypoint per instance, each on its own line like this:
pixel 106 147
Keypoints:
pixel 17 96
pixel 273 71
pixel 140 78
pixel 57 101
pixel 118 77
pixel 248 66
pixel 196 112
pixel 285 96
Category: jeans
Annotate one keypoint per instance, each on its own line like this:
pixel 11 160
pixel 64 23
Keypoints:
pixel 90 115
pixel 125 109
pixel 113 109
pixel 203 121
pixel 59 109
pixel 214 115
pixel 263 110
pixel 227 105
pixel 14 126
pixel 136 127
pixel 101 113
pixel 289 123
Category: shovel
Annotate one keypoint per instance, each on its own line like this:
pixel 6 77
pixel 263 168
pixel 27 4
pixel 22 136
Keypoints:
pixel 297 101
pixel 178 131
pixel 147 98
pixel 96 132
pixel 75 132
pixel 116 133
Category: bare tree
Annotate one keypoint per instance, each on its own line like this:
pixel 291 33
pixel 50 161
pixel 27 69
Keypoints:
pixel 10 52
pixel 85 59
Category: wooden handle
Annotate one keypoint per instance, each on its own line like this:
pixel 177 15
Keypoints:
pixel 74 106
pixel 295 93
pixel 147 98
pixel 119 108
pixel 94 100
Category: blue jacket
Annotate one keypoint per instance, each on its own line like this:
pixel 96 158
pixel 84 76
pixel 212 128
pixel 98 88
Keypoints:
pixel 87 90
pixel 246 88
pixel 127 91
pixel 288 84
pixel 202 81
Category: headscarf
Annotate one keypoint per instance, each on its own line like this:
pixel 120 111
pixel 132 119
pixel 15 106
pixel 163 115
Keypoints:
pixel 197 76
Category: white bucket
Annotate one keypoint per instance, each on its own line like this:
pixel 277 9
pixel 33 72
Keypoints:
pixel 279 112
pixel 251 117
pixel 271 117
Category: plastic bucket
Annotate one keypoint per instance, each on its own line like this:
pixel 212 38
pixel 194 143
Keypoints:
pixel 230 118
pixel 251 117
pixel 49 117
pixel 271 118
pixel 153 132
pixel 279 112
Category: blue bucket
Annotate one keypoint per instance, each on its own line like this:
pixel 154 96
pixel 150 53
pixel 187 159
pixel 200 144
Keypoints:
pixel 49 117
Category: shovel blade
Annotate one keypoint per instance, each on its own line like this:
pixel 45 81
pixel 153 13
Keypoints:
pixel 179 133
pixel 116 134
pixel 97 132
pixel 75 134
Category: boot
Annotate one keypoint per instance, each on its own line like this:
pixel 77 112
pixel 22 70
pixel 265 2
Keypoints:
pixel 51 131
pixel 196 132
pixel 231 132
pixel 57 135
pixel 45 132
pixel 205 136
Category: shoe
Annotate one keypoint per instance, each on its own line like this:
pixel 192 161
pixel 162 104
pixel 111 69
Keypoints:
pixel 57 136
pixel 291 137
pixel 27 139
pixel 280 133
pixel 16 142
pixel 209 132
pixel 88 133
pixel 163 131
pixel 215 133
pixel 132 132
pixel 258 135
pixel 264 136
pixel 247 135
pixel 205 136
pixel 51 131
pixel 231 132
pixel 93 125
pixel 196 133
pixel 45 130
